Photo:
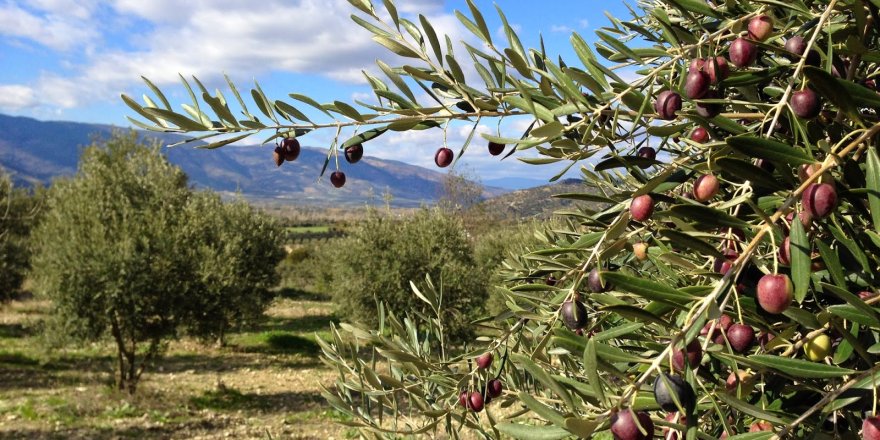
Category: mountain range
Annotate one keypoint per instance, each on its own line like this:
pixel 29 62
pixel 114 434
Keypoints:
pixel 36 151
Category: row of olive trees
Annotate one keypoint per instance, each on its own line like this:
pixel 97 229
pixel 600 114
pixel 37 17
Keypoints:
pixel 126 249
pixel 18 211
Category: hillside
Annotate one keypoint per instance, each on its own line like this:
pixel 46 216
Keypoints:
pixel 534 202
pixel 37 151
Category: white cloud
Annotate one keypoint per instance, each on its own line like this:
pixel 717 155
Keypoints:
pixel 205 38
pixel 561 28
pixel 60 29
pixel 16 97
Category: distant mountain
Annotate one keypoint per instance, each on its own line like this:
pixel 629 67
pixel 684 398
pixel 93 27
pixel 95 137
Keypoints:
pixel 36 151
pixel 515 183
pixel 535 202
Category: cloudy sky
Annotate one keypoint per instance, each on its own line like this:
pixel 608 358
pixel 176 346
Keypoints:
pixel 71 59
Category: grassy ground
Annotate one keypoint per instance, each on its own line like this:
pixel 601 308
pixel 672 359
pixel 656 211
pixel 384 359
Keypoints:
pixel 308 229
pixel 264 384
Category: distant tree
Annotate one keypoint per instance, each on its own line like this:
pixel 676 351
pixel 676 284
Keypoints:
pixel 18 212
pixel 238 250
pixel 461 190
pixel 382 255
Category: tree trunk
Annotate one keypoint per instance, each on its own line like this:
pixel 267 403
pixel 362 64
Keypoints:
pixel 120 354
pixel 221 336
pixel 132 370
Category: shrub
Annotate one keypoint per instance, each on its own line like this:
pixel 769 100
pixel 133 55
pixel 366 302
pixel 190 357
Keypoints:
pixel 237 250
pixel 381 256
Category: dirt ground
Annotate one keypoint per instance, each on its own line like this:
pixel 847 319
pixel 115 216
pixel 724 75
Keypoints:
pixel 266 384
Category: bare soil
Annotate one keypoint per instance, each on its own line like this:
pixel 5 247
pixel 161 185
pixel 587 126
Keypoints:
pixel 266 383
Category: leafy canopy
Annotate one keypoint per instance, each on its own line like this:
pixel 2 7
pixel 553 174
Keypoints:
pixel 776 101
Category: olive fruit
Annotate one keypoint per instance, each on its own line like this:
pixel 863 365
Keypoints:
pixel 626 427
pixel 723 264
pixel 494 388
pixel 700 135
pixel 775 293
pixel 337 179
pixel 596 283
pixel 740 382
pixel 818 348
pixel 642 207
pixel 705 188
pixel 278 156
pixel 871 428
pixel 354 153
pixel 291 149
pixel 819 199
pixel 693 352
pixel 743 53
pixel 484 361
pixel 709 110
pixel 443 157
pixel 718 70
pixel 667 103
pixel 761 427
pixel 647 153
pixel 574 314
pixel 785 251
pixel 741 337
pixel 640 250
pixel 806 104
pixel 672 392
pixel 495 148
pixel 476 401
pixel 696 84
pixel 797 45
pixel 760 27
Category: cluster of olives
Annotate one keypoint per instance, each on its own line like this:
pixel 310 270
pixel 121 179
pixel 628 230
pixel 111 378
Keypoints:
pixel 774 292
pixel 288 150
pixel 476 400
pixel 444 156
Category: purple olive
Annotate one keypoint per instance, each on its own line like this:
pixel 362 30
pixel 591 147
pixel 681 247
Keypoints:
pixel 743 53
pixel 668 102
pixel 806 104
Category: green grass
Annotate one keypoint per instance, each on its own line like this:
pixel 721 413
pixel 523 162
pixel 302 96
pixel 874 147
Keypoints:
pixel 308 229
pixel 275 342
pixel 122 410
pixel 226 399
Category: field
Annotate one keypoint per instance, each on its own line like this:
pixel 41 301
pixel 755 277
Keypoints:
pixel 264 384
pixel 317 229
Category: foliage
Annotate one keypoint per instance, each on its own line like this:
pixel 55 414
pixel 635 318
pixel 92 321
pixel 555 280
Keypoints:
pixel 124 264
pixel 237 252
pixel 125 248
pixel 765 143
pixel 381 256
pixel 462 191
pixel 19 211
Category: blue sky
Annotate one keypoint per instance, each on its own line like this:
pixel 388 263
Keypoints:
pixel 70 59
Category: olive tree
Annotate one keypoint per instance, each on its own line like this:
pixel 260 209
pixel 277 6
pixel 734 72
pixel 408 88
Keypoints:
pixel 237 252
pixel 18 212
pixel 113 254
pixel 721 273
pixel 382 255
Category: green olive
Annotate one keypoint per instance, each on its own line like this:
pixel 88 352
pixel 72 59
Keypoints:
pixel 817 348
